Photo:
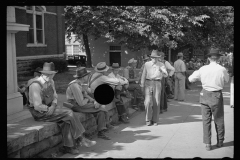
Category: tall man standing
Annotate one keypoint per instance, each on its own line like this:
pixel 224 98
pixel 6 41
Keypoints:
pixel 151 79
pixel 212 77
pixel 180 75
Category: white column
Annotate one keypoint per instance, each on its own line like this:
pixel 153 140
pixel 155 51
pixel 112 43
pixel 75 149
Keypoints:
pixel 14 98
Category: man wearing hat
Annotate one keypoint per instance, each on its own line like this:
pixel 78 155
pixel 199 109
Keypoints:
pixel 180 75
pixel 100 77
pixel 212 77
pixel 82 102
pixel 43 107
pixel 133 78
pixel 122 110
pixel 151 79
pixel 170 70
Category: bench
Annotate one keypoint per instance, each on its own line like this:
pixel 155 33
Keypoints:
pixel 29 138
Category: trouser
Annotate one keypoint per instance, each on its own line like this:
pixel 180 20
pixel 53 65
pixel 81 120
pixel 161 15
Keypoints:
pixel 137 91
pixel 68 121
pixel 152 100
pixel 101 116
pixel 232 92
pixel 179 90
pixel 212 104
pixel 163 97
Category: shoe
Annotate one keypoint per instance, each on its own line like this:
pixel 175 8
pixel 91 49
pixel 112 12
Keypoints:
pixel 165 110
pixel 87 143
pixel 70 150
pixel 109 126
pixel 155 124
pixel 208 147
pixel 103 136
pixel 123 119
pixel 219 144
pixel 161 112
pixel 149 123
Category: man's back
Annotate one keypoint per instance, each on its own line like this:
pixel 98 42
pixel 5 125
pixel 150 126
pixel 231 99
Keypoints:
pixel 179 66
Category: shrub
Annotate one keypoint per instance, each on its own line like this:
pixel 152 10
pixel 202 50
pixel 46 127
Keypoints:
pixel 60 64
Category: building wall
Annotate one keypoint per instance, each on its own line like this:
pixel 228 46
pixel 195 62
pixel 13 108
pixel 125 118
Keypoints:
pixel 54 29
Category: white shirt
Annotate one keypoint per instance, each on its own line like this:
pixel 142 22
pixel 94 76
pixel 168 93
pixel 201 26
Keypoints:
pixel 35 95
pixel 179 66
pixel 169 67
pixel 153 71
pixel 121 79
pixel 212 76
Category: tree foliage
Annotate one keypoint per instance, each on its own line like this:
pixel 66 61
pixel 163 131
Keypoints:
pixel 153 27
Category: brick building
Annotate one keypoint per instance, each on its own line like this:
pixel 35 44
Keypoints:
pixel 46 35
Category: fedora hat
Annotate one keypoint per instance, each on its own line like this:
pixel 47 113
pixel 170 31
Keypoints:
pixel 81 72
pixel 155 54
pixel 115 66
pixel 38 69
pixel 161 54
pixel 145 57
pixel 213 52
pixel 132 60
pixel 180 54
pixel 101 67
pixel 48 68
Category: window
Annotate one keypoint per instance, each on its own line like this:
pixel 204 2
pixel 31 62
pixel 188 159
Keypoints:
pixel 35 18
pixel 69 49
pixel 76 49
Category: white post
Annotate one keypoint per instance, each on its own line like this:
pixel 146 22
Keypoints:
pixel 14 98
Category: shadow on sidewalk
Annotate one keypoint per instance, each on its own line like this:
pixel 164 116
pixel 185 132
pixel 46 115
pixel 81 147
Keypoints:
pixel 225 144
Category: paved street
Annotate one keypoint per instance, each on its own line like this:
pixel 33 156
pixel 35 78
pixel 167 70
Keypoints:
pixel 179 134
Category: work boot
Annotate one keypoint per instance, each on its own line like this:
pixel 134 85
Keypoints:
pixel 103 136
pixel 123 119
pixel 208 147
pixel 219 144
pixel 70 150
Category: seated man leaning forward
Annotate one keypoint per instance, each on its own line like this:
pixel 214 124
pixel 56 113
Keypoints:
pixel 133 78
pixel 43 107
pixel 82 102
pixel 122 111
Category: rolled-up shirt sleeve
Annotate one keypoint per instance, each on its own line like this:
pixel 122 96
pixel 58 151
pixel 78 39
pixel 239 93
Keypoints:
pixel 195 76
pixel 164 70
pixel 126 73
pixel 55 93
pixel 226 76
pixel 109 80
pixel 77 94
pixel 34 95
pixel 170 67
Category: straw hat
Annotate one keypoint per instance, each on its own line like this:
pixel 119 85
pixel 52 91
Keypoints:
pixel 132 60
pixel 155 54
pixel 101 67
pixel 48 68
pixel 180 54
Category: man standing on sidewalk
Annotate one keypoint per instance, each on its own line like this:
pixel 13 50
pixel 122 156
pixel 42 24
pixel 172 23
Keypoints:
pixel 180 75
pixel 212 77
pixel 153 72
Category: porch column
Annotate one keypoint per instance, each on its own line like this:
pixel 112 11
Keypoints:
pixel 14 98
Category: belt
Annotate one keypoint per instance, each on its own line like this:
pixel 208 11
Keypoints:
pixel 153 79
pixel 217 91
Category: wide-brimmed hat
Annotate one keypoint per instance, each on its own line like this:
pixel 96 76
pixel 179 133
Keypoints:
pixel 48 68
pixel 132 60
pixel 81 72
pixel 146 57
pixel 180 54
pixel 101 67
pixel 38 69
pixel 161 54
pixel 155 54
pixel 213 52
pixel 115 66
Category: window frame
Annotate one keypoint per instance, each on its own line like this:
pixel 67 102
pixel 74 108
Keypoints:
pixel 34 13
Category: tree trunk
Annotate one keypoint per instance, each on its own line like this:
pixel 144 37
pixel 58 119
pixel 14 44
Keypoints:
pixel 87 49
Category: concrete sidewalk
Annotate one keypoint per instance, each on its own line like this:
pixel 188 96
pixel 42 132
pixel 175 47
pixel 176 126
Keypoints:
pixel 179 134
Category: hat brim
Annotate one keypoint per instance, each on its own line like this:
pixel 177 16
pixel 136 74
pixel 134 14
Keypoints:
pixel 76 76
pixel 48 72
pixel 155 56
pixel 106 69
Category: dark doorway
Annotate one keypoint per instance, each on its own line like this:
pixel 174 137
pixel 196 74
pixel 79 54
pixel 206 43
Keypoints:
pixel 115 57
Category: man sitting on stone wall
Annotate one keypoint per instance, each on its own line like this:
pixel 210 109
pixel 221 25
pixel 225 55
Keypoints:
pixel 82 102
pixel 42 99
pixel 133 78
pixel 122 109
